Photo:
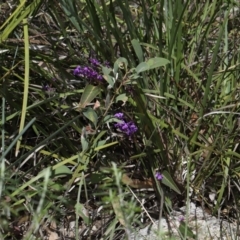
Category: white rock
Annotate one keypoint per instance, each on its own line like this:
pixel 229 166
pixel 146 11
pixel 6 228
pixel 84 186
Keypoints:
pixel 205 226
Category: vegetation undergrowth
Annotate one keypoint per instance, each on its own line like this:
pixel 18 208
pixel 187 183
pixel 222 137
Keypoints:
pixel 114 113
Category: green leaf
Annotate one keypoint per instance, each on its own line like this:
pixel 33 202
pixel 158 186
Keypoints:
pixel 106 71
pixel 96 178
pixel 62 171
pixel 109 80
pixel 71 12
pixel 26 84
pixel 168 181
pixel 138 49
pixel 56 187
pixel 108 99
pixel 157 62
pixel 182 228
pixel 101 143
pixel 109 119
pixel 122 97
pixel 84 143
pixel 91 115
pixel 98 137
pixel 151 64
pixel 81 211
pixel 89 93
pixel 134 76
pixel 120 63
pixel 105 146
pixel 142 67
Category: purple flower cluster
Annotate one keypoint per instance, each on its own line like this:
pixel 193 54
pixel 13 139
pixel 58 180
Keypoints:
pixel 158 176
pixel 127 127
pixel 89 72
pixel 94 62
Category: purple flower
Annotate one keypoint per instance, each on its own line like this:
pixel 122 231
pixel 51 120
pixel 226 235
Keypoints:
pixel 87 72
pixel 46 87
pixel 158 176
pixel 99 77
pixel 94 62
pixel 78 71
pixel 107 64
pixel 121 125
pixel 181 218
pixel 132 127
pixel 127 127
pixel 119 115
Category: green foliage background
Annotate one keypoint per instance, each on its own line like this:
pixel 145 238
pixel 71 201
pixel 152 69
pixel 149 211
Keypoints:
pixel 174 72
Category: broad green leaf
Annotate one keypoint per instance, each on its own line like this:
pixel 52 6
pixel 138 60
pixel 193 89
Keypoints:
pixel 106 70
pixel 182 228
pixel 142 67
pixel 157 62
pixel 89 93
pixel 134 76
pixel 62 171
pixel 138 49
pixel 96 177
pixel 98 137
pixel 84 143
pixel 122 97
pixel 101 143
pixel 168 181
pixel 151 64
pixel 109 80
pixel 70 10
pixel 108 99
pixel 81 211
pixel 54 186
pixel 120 63
pixel 118 210
pixel 109 119
pixel 107 77
pixel 91 115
